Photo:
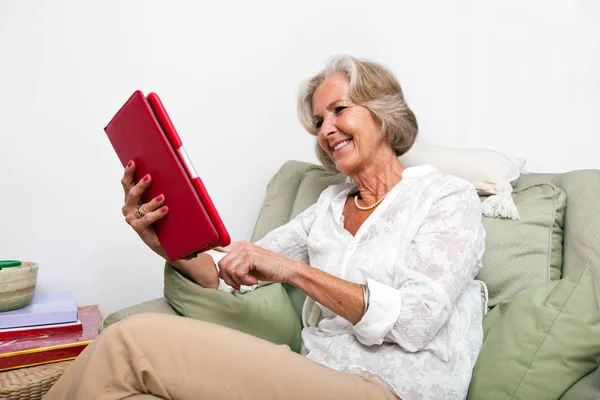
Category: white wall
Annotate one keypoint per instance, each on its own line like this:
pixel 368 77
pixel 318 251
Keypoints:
pixel 519 77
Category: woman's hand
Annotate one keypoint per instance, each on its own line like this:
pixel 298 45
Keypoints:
pixel 246 264
pixel 201 269
pixel 152 211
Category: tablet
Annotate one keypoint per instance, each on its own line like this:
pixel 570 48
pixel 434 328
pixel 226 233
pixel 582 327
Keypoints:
pixel 143 132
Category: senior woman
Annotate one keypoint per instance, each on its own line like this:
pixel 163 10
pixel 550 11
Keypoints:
pixel 390 258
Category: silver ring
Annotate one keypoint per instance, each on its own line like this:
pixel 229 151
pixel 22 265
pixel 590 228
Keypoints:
pixel 139 213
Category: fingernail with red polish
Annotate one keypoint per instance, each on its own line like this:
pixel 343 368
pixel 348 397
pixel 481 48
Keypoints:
pixel 146 178
pixel 159 198
pixel 129 164
pixel 164 209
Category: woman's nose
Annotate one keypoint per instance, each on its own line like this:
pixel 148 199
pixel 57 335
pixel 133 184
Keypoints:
pixel 328 127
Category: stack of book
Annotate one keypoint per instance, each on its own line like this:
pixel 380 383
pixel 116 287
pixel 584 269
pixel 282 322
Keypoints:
pixel 50 329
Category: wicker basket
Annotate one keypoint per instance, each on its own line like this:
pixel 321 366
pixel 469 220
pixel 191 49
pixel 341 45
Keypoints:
pixel 30 383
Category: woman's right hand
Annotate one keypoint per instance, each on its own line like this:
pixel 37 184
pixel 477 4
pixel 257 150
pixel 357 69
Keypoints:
pixel 152 211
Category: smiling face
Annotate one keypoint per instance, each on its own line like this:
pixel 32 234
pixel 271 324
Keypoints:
pixel 348 133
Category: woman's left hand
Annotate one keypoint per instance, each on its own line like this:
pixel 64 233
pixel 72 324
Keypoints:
pixel 247 263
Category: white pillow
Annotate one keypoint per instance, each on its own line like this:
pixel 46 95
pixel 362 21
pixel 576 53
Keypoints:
pixel 491 172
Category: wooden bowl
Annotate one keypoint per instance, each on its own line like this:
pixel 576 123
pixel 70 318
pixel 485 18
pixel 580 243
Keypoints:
pixel 17 285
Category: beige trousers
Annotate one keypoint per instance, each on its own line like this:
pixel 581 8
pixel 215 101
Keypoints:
pixel 180 358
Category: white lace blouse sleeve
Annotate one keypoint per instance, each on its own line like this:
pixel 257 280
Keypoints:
pixel 289 240
pixel 442 258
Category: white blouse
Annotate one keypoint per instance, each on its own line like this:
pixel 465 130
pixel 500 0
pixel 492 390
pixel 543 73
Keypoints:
pixel 419 253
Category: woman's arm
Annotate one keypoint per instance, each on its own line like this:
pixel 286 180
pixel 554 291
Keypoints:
pixel 247 263
pixel 344 298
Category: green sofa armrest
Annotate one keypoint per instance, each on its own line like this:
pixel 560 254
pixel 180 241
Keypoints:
pixel 160 305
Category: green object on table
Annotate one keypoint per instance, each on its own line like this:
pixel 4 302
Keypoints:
pixel 9 263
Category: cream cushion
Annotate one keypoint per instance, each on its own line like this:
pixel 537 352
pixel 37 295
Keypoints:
pixel 491 172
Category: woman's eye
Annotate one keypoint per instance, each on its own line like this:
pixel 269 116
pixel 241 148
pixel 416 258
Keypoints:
pixel 339 109
pixel 319 124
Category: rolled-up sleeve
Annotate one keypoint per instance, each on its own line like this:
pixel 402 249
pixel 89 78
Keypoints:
pixel 385 304
pixel 444 255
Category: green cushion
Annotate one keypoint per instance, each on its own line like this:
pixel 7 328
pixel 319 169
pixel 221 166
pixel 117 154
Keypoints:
pixel 315 180
pixel 539 344
pixel 266 312
pixel 280 196
pixel 528 252
pixel 582 220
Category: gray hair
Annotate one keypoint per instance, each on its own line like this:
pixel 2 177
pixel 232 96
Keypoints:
pixel 372 86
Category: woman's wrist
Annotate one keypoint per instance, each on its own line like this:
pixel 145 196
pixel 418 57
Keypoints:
pixel 298 273
pixel 160 251
pixel 201 270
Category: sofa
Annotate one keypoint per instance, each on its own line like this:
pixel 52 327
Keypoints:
pixel 543 329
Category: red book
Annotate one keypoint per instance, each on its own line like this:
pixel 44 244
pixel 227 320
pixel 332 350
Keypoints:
pixel 29 351
pixel 41 331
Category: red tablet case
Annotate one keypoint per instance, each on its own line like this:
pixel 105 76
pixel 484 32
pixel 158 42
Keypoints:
pixel 143 132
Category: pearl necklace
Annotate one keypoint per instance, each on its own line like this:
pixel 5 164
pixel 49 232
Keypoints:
pixel 372 206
